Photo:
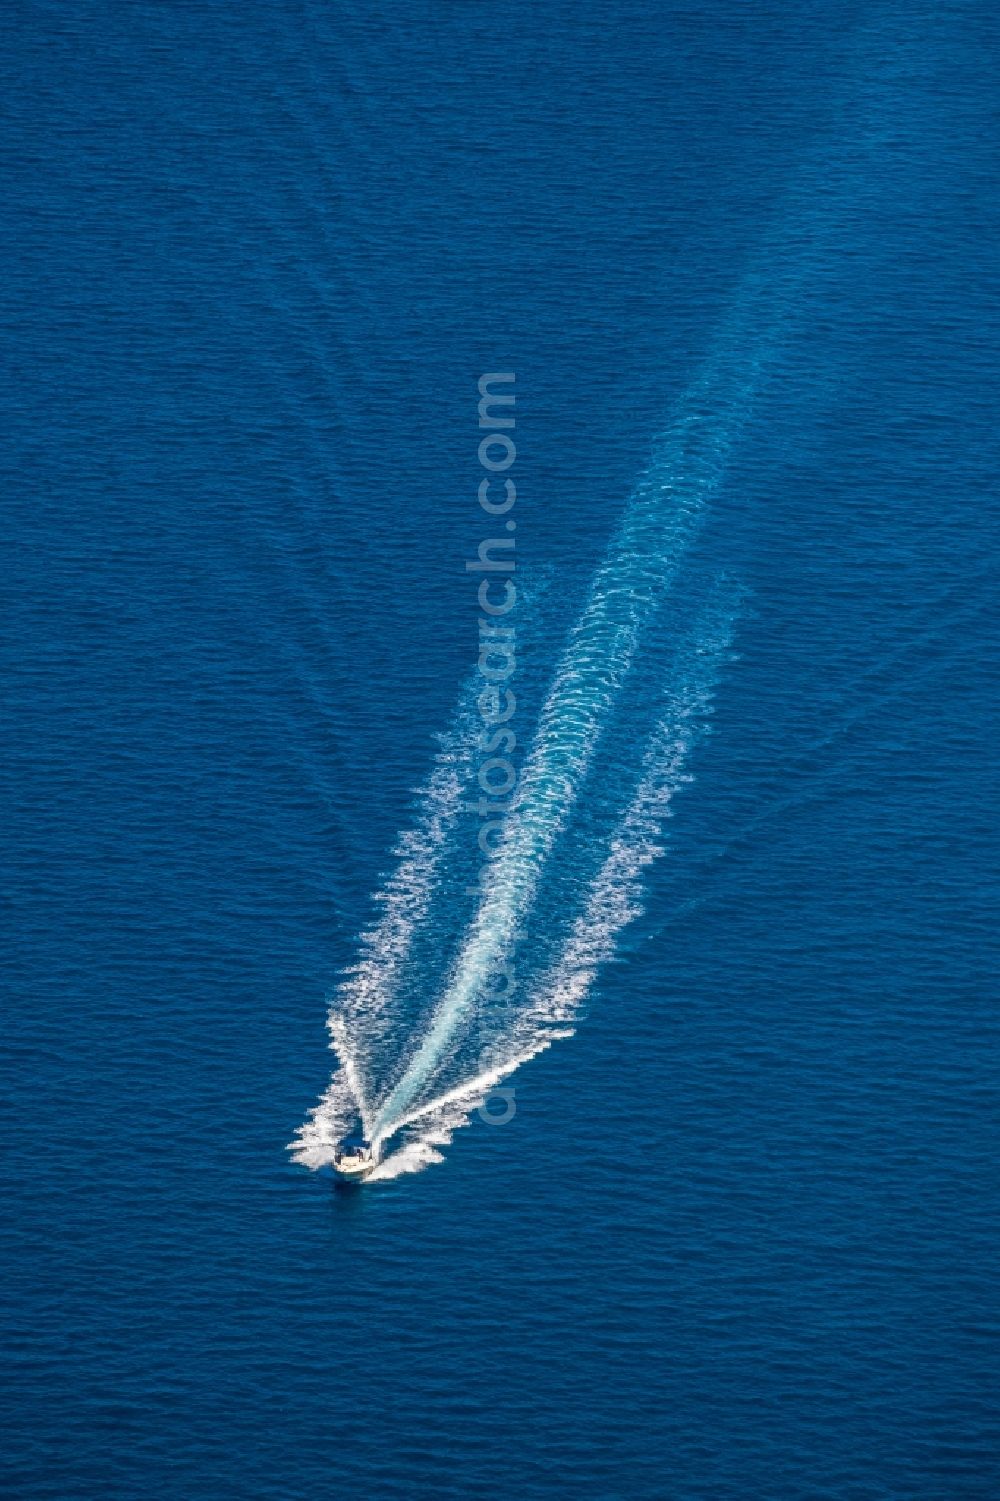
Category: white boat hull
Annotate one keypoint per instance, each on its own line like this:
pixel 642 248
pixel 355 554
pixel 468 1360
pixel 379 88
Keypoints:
pixel 354 1160
pixel 353 1174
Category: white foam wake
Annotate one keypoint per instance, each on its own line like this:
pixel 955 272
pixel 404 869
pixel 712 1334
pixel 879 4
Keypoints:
pixel 399 1077
pixel 661 521
pixel 363 1011
pixel 369 1017
pixel 433 1124
pixel 613 900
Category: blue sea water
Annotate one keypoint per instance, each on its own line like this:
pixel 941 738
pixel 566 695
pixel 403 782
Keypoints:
pixel 738 1239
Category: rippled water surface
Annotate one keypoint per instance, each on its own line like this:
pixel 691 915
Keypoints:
pixel 738 1237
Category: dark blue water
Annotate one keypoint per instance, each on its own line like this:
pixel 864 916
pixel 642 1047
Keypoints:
pixel 738 1240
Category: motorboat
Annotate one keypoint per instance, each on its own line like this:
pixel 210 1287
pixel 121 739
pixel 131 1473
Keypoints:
pixel 354 1159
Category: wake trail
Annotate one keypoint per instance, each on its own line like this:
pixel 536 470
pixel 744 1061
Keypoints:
pixel 365 1009
pixel 660 524
pixel 612 901
pixel 796 265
